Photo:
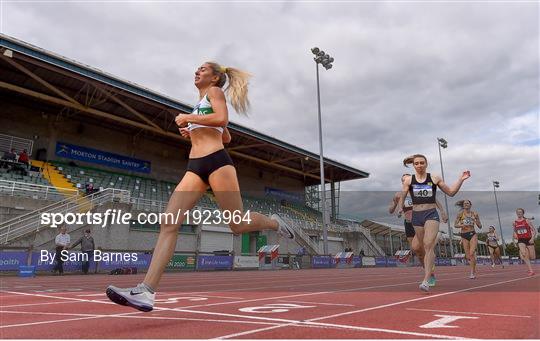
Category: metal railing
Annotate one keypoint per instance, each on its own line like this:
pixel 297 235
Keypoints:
pixel 7 142
pixel 304 237
pixel 22 189
pixel 372 243
pixel 148 205
pixel 32 222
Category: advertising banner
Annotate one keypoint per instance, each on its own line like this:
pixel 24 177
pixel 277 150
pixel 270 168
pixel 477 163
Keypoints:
pixel 75 152
pixel 10 260
pixel 322 262
pixel 113 262
pixel 380 261
pixel 246 262
pixel 368 261
pixel 182 262
pixel 214 262
pixel 46 262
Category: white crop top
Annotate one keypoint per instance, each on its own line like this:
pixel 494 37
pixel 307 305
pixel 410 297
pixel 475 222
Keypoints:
pixel 204 107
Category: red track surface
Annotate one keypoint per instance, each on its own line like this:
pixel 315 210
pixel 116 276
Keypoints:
pixel 330 303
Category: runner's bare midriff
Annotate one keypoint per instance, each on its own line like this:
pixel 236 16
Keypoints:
pixel 205 141
pixel 423 207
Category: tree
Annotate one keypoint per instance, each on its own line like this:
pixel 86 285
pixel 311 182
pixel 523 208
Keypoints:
pixel 512 250
pixel 482 236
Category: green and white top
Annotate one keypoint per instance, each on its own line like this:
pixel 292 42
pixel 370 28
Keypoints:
pixel 204 107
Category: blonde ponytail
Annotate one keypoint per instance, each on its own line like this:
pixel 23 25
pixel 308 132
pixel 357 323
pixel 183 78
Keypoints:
pixel 237 89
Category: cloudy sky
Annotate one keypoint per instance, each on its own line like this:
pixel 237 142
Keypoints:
pixel 404 74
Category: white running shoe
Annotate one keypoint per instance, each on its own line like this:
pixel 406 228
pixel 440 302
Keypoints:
pixel 284 229
pixel 424 286
pixel 492 265
pixel 472 276
pixel 139 297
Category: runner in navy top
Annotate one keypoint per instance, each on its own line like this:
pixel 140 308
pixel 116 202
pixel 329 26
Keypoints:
pixel 422 187
pixel 525 233
pixel 409 229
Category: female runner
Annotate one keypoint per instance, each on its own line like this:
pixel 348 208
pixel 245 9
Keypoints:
pixel 422 187
pixel 465 220
pixel 209 165
pixel 525 233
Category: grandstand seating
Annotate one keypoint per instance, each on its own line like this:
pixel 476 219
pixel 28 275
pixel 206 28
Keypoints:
pixel 36 178
pixel 139 187
pixel 160 191
pixel 150 189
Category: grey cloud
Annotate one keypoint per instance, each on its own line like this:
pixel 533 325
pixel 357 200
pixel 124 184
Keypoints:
pixel 404 73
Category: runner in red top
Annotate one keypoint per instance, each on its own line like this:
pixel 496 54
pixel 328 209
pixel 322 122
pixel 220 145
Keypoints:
pixel 525 233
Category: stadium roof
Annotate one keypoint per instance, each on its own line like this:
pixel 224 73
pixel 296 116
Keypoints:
pixel 377 228
pixel 74 89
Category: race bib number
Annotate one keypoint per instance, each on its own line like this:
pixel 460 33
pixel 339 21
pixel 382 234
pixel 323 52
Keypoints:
pixel 521 231
pixel 422 191
pixel 468 221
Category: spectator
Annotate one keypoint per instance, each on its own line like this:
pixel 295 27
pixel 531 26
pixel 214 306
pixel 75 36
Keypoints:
pixel 62 243
pixel 362 253
pixel 89 188
pixel 87 247
pixel 23 157
pixel 299 255
pixel 10 155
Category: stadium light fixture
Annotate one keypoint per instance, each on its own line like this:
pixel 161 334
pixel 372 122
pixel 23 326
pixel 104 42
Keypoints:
pixel 320 57
pixel 444 144
pixel 496 185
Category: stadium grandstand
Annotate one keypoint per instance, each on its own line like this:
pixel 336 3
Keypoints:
pixel 96 141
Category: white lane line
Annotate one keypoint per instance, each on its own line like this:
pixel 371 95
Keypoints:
pixel 288 322
pixel 31 304
pixel 374 308
pixel 318 303
pixel 380 330
pixel 468 313
pixel 422 298
pixel 319 293
pixel 284 322
pixel 106 301
pixel 124 316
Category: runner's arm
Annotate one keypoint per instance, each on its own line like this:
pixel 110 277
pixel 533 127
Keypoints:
pixel 451 190
pixel 393 203
pixel 219 118
pixel 404 190
pixel 444 215
pixel 477 220
pixel 226 137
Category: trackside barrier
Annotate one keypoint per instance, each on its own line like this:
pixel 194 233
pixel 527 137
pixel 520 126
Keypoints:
pixel 39 261
pixel 181 261
pixel 318 262
pixel 268 257
pixel 205 262
pixel 368 261
pixel 344 260
pixel 246 262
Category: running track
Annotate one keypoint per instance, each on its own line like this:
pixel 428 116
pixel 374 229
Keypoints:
pixel 361 303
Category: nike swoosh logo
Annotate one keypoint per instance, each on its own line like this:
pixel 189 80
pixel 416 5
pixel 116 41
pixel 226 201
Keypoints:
pixel 134 293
